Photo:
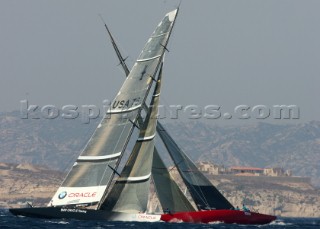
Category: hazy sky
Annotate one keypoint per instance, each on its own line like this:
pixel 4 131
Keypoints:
pixel 224 52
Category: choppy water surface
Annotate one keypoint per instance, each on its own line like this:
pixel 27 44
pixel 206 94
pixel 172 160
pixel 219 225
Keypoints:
pixel 9 221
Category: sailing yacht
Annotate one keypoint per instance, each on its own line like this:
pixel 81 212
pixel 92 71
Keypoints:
pixel 86 192
pixel 212 206
pixel 91 191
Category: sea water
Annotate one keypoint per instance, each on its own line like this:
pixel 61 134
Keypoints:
pixel 9 221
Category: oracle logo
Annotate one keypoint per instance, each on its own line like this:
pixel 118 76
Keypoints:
pixel 82 194
pixel 146 217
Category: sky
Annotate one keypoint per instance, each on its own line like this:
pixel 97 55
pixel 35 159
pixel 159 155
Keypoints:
pixel 224 53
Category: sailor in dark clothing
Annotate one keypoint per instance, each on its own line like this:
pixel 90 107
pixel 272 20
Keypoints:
pixel 244 208
pixel 167 211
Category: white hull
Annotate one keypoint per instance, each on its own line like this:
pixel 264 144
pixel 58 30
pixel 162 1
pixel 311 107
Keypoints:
pixel 136 217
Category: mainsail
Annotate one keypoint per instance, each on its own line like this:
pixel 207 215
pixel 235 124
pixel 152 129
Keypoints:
pixel 94 169
pixel 204 194
pixel 130 192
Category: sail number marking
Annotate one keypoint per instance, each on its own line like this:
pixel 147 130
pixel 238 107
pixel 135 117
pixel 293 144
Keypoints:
pixel 122 104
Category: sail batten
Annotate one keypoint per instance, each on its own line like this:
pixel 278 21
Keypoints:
pixel 123 110
pixel 98 158
pixel 140 178
pixel 162 34
pixel 150 58
pixel 157 95
pixel 147 138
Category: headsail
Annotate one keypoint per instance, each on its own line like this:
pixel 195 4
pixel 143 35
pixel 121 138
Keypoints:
pixel 92 172
pixel 204 194
pixel 130 192
pixel 169 194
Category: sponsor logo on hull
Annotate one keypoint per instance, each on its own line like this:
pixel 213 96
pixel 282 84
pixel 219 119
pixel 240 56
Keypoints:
pixel 82 194
pixel 77 195
pixel 62 195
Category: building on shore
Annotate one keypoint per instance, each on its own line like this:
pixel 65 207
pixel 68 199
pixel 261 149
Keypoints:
pixel 246 171
pixel 212 169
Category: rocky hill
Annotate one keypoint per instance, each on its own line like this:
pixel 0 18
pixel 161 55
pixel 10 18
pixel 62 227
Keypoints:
pixel 292 147
pixel 56 143
pixel 22 183
pixel 282 196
